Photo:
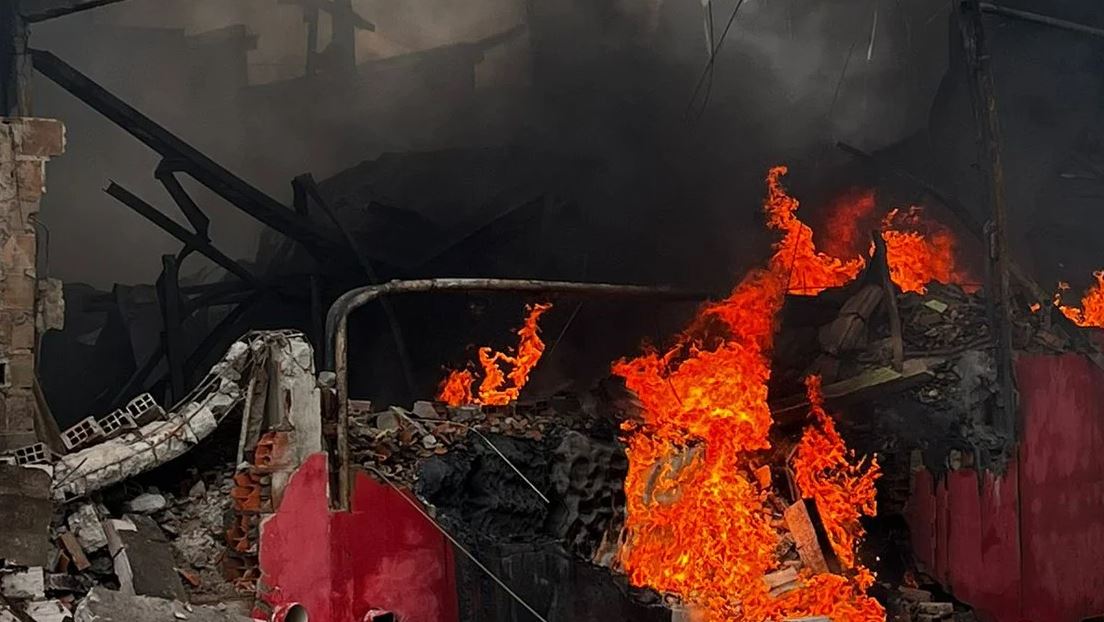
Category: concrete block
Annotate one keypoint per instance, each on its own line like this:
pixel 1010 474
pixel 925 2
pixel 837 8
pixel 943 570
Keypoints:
pixel 37 137
pixel 29 584
pixel 48 611
pixel 146 503
pixel 25 513
pixel 22 335
pixel 27 455
pixel 21 371
pixel 30 178
pixel 84 432
pixel 85 525
pixel 116 423
pixel 144 409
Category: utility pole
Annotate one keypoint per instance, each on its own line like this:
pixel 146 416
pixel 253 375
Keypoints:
pixel 987 125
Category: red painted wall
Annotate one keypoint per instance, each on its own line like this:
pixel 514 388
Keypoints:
pixel 382 554
pixel 1028 545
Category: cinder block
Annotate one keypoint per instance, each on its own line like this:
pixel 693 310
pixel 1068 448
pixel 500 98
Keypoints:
pixel 86 431
pixel 32 454
pixel 144 409
pixel 116 423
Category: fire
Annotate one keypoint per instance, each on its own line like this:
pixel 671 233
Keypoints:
pixel 807 271
pixel 1091 311
pixel 499 387
pixel 698 513
pixel 850 220
pixel 919 250
pixel 827 473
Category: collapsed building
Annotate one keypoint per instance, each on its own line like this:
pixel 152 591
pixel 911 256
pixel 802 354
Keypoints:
pixel 939 466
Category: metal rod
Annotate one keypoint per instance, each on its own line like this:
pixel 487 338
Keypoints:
pixel 170 226
pixel 1038 18
pixel 337 326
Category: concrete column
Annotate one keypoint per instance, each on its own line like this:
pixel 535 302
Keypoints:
pixel 25 145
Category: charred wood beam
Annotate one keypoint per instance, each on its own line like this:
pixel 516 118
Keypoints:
pixel 1038 18
pixel 191 240
pixel 337 326
pixel 881 262
pixel 168 291
pixel 987 125
pixel 203 169
pixel 41 10
pixel 311 188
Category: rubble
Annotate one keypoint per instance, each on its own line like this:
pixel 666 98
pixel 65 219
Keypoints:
pixel 102 605
pixel 85 524
pixel 146 503
pixel 155 443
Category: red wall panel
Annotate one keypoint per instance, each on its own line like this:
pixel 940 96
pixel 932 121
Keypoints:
pixel 1027 544
pixel 382 554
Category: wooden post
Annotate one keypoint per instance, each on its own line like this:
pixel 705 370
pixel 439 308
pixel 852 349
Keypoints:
pixel 987 125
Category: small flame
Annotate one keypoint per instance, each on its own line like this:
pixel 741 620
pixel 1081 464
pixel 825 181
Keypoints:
pixel 1091 311
pixel 499 388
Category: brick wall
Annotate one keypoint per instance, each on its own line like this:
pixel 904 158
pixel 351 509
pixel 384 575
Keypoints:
pixel 25 146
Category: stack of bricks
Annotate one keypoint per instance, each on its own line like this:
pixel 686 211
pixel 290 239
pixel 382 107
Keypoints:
pixel 25 146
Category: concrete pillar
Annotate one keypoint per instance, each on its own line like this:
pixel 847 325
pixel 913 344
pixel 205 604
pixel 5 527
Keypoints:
pixel 25 145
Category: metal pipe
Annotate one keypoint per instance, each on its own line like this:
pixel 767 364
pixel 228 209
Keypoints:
pixel 337 327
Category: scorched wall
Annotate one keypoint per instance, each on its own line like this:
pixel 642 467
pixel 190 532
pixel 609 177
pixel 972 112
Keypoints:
pixel 1027 545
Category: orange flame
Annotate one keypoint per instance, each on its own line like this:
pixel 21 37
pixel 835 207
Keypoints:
pixel 826 472
pixel 808 271
pixel 697 512
pixel 920 251
pixel 456 389
pixel 1091 311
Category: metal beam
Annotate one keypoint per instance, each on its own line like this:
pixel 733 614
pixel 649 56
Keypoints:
pixel 191 240
pixel 1038 18
pixel 41 10
pixel 203 169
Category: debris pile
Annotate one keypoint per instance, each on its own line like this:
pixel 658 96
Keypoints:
pixel 82 522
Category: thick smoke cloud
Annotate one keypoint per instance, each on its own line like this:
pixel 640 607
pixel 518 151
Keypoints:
pixel 608 80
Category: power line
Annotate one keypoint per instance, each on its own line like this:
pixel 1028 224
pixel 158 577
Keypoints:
pixel 713 59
